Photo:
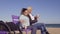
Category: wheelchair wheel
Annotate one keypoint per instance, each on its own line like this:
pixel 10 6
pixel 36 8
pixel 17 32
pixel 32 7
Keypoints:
pixel 4 27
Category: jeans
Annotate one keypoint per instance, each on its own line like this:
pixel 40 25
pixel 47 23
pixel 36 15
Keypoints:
pixel 32 28
pixel 41 27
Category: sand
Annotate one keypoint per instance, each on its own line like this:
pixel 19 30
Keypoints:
pixel 54 30
pixel 51 31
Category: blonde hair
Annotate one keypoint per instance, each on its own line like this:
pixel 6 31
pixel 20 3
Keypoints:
pixel 29 7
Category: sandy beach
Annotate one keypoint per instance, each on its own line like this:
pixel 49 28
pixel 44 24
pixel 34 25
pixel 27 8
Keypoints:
pixel 54 30
pixel 50 29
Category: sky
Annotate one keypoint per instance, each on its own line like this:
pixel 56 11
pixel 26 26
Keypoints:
pixel 49 10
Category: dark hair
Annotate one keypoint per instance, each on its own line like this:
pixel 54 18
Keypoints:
pixel 23 10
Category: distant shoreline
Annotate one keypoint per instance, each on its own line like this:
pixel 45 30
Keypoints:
pixel 53 25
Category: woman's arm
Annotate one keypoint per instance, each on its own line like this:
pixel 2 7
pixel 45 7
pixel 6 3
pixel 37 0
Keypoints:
pixel 23 21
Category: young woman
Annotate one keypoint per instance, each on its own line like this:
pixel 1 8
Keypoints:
pixel 25 21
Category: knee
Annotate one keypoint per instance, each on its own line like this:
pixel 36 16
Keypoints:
pixel 42 24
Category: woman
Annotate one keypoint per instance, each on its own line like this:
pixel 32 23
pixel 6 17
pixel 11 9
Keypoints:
pixel 25 21
pixel 34 20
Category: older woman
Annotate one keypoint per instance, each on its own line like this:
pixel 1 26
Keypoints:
pixel 33 21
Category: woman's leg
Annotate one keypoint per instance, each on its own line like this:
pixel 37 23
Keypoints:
pixel 42 27
pixel 33 29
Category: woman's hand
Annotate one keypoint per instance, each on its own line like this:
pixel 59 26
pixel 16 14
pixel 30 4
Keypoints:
pixel 25 27
pixel 37 16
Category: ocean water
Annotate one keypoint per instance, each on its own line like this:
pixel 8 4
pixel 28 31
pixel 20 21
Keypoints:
pixel 53 25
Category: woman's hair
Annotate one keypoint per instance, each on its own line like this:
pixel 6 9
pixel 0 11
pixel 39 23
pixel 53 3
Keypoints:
pixel 23 10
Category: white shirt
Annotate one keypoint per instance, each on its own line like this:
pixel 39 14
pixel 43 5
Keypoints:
pixel 32 17
pixel 26 19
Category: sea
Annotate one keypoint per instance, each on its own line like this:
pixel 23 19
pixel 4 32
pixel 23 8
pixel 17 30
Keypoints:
pixel 53 25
